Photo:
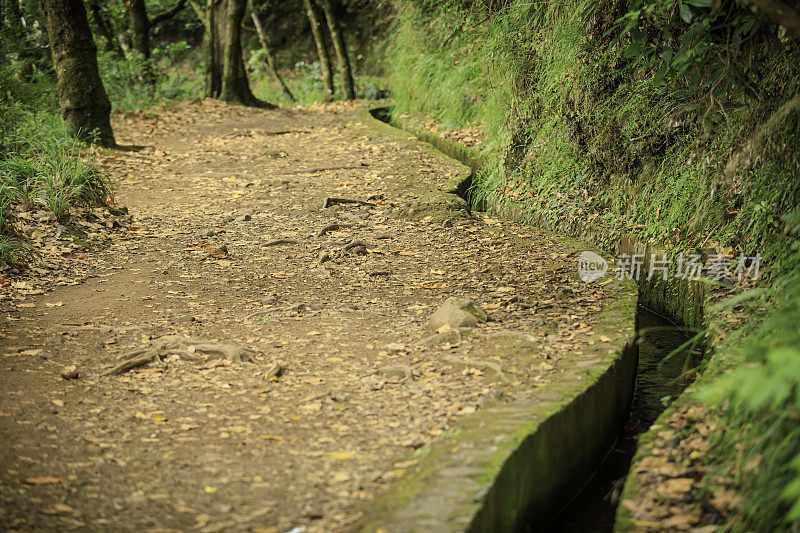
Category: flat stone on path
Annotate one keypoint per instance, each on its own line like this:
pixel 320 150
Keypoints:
pixel 457 313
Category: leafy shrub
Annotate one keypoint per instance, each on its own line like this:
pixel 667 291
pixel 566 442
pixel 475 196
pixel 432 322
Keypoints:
pixel 173 77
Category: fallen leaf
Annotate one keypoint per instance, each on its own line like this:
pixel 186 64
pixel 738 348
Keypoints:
pixel 59 508
pixel 42 480
pixel 341 455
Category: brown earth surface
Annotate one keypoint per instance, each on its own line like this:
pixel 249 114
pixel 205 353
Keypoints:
pixel 224 244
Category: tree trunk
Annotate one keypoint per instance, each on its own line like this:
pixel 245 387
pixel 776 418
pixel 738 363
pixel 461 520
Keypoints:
pixel 341 50
pixel 322 49
pixel 213 53
pixel 270 57
pixel 18 31
pixel 780 12
pixel 84 103
pixel 206 15
pixel 226 78
pixel 104 29
pixel 140 39
pixel 140 27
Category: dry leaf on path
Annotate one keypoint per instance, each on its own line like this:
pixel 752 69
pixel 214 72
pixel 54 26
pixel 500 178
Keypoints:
pixel 42 480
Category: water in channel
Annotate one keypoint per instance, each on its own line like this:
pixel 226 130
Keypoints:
pixel 659 380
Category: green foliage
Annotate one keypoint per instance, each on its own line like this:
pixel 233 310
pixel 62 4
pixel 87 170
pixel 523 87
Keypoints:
pixel 642 127
pixel 763 390
pixel 40 166
pixel 15 252
pixel 55 176
pixel 698 43
pixel 305 83
pixel 172 65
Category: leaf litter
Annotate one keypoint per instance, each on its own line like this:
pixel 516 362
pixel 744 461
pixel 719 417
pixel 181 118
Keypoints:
pixel 338 384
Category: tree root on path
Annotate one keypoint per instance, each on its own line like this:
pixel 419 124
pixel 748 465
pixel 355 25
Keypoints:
pixel 184 347
pixel 276 242
pixel 480 364
pixel 314 170
pixel 63 328
pixel 333 227
pixel 329 202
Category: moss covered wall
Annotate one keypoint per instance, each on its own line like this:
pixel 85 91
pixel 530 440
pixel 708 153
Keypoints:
pixel 575 130
pixel 620 146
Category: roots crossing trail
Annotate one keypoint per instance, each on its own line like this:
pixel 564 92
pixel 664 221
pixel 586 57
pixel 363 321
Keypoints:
pixel 337 384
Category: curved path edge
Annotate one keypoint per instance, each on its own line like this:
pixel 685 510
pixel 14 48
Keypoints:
pixel 515 465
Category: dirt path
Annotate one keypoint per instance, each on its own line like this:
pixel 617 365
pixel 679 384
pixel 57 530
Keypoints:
pixel 225 245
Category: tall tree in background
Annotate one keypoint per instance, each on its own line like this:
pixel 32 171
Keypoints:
pixel 104 28
pixel 226 78
pixel 341 50
pixel 142 25
pixel 17 30
pixel 269 56
pixel 84 103
pixel 322 49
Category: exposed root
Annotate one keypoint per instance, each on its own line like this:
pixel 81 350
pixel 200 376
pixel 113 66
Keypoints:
pixel 184 347
pixel 354 244
pixel 281 241
pixel 324 257
pixel 329 202
pixel 134 362
pixel 332 227
pixel 253 133
pixel 480 364
pixel 61 328
pixel 314 170
pixel 275 371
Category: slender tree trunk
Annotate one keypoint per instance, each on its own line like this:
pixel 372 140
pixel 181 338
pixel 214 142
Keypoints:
pixel 20 40
pixel 212 51
pixel 84 103
pixel 226 78
pixel 140 27
pixel 110 41
pixel 322 49
pixel 270 57
pixel 205 12
pixel 140 38
pixel 341 50
pixel 3 29
pixel 232 90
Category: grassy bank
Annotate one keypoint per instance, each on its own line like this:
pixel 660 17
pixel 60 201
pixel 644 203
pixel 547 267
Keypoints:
pixel 676 127
pixel 42 173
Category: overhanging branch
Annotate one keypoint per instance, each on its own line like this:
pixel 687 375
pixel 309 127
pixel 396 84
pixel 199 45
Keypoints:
pixel 168 14
pixel 780 12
